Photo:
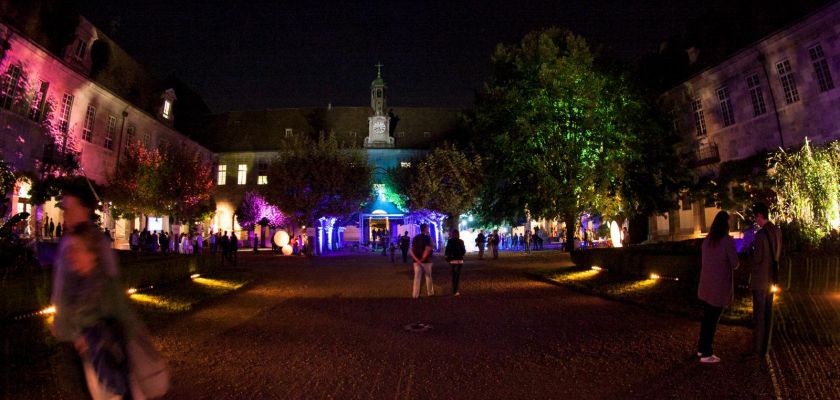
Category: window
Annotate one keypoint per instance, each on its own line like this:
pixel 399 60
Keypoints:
pixel 821 69
pixel 788 82
pixel 222 175
pixel 241 174
pixel 129 135
pixel 401 134
pixel 64 117
pixel 686 202
pixel 162 143
pixel 36 110
pixel 79 50
pixel 405 164
pixel 147 140
pixel 756 95
pixel 167 109
pixel 262 172
pixel 109 133
pixel 427 134
pixel 90 117
pixel 288 132
pixel 10 86
pixel 726 112
pixel 353 134
pixel 699 119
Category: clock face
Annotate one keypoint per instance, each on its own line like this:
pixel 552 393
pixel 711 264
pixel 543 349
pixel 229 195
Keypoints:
pixel 378 127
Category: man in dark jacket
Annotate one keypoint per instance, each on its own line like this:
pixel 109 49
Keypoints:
pixel 764 259
pixel 234 247
pixel 405 242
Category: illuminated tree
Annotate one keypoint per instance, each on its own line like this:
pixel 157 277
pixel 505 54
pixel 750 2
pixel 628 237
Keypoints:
pixel 446 181
pixel 255 210
pixel 318 179
pixel 186 180
pixel 559 134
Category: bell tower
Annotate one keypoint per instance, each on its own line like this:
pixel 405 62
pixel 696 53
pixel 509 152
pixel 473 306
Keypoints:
pixel 377 92
pixel 378 124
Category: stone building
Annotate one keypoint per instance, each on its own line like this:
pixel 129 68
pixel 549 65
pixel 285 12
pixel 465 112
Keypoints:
pixel 97 97
pixel 247 141
pixel 769 95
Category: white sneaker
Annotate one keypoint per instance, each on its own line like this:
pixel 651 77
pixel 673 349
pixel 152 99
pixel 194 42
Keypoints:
pixel 699 354
pixel 712 359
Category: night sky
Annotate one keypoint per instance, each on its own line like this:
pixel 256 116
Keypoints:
pixel 265 54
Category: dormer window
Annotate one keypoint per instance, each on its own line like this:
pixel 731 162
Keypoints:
pixel 169 100
pixel 167 109
pixel 79 50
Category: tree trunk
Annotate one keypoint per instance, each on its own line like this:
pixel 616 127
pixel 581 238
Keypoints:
pixel 571 224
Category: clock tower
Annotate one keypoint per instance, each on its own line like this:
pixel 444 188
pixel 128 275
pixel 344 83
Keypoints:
pixel 379 123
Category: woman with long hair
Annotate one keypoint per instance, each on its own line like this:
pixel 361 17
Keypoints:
pixel 717 284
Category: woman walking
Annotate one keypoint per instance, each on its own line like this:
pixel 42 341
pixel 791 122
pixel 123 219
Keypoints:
pixel 719 261
pixel 454 254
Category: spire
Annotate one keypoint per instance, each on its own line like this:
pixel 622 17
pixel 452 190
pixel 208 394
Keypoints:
pixel 379 70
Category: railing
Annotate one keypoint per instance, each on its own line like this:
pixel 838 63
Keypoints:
pixel 705 155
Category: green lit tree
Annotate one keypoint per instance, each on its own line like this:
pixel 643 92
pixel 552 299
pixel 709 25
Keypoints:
pixel 561 135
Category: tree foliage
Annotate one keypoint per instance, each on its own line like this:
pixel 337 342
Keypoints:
pixel 255 210
pixel 171 182
pixel 807 184
pixel 318 179
pixel 562 135
pixel 446 181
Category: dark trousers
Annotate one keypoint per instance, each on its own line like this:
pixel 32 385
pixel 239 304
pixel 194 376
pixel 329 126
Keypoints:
pixel 456 276
pixel 495 248
pixel 762 320
pixel 405 254
pixel 481 250
pixel 711 316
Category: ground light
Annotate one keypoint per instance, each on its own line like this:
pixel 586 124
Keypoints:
pixel 217 283
pixel 656 277
pixel 599 269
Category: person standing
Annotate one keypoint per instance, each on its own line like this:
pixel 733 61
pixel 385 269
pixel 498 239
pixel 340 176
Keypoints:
pixel 212 243
pixel 134 241
pixel 421 253
pixel 52 228
pixel 405 243
pixel 92 311
pixel 454 254
pixel 58 230
pixel 234 248
pixel 717 283
pixel 480 240
pixel 47 227
pixel 256 243
pixel 764 259
pixel 494 244
pixel 224 243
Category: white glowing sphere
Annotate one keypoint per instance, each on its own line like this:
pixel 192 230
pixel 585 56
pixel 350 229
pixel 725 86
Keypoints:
pixel 615 234
pixel 287 250
pixel 281 238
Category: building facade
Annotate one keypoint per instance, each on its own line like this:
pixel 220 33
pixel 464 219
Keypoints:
pixel 770 95
pixel 83 94
pixel 248 141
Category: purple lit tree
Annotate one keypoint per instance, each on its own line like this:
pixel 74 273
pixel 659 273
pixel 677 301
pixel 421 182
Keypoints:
pixel 255 211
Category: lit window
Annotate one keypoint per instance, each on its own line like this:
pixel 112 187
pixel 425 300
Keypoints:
pixel 726 106
pixel 756 95
pixel 64 117
pixel 167 109
pixel 699 119
pixel 405 164
pixel 222 176
pixel 262 180
pixel 288 132
pixel 242 173
pixel 109 133
pixel 821 69
pixel 788 82
pixel 90 117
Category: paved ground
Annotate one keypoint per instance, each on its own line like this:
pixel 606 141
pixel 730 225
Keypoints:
pixel 333 328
